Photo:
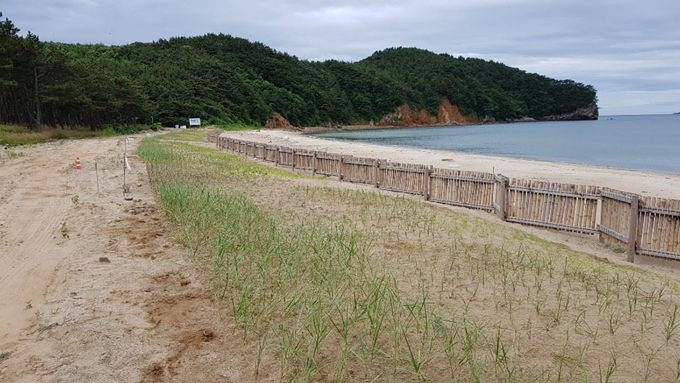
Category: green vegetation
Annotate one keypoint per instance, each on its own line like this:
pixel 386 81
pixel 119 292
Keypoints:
pixel 4 356
pixel 236 126
pixel 481 87
pixel 18 135
pixel 225 80
pixel 12 135
pixel 347 285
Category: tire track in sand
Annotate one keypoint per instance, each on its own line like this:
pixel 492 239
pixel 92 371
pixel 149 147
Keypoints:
pixel 31 247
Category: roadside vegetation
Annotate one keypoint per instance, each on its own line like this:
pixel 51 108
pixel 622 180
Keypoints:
pixel 328 282
pixel 13 135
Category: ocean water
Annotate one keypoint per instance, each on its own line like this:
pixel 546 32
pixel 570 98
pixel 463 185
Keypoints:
pixel 647 142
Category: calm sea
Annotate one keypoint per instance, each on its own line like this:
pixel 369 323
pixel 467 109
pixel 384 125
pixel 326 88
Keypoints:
pixel 649 142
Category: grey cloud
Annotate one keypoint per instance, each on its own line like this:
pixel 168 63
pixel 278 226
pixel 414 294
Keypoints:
pixel 628 50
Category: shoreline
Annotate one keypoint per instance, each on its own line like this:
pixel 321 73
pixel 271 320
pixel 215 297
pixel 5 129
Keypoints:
pixel 644 183
pixel 354 128
pixel 359 127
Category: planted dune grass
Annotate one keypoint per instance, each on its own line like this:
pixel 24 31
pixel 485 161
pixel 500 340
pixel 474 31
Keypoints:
pixel 328 283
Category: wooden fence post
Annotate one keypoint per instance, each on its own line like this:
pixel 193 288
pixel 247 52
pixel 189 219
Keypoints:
pixel 376 172
pixel 277 156
pixel 502 197
pixel 340 167
pixel 293 150
pixel 633 228
pixel 314 163
pixel 426 182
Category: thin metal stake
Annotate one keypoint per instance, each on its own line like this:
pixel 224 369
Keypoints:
pixel 96 172
pixel 124 165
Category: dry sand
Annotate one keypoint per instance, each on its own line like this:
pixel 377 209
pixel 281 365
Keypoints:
pixel 643 183
pixel 136 314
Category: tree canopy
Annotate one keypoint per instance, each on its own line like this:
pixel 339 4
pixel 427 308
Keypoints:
pixel 222 78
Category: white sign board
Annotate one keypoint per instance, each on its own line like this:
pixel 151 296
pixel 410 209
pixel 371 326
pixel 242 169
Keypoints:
pixel 194 122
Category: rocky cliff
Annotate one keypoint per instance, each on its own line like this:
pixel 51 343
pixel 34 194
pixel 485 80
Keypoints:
pixel 404 115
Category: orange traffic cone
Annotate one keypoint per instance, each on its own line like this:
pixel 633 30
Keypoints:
pixel 78 166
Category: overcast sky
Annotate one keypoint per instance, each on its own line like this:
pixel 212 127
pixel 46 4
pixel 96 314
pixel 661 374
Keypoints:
pixel 629 50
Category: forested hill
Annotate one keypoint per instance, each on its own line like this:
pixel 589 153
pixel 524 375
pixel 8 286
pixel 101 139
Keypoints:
pixel 221 78
pixel 481 87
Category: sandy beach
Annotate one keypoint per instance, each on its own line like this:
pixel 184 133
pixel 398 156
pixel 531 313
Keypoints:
pixel 643 183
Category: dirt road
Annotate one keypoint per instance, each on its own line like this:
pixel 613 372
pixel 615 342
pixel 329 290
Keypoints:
pixel 91 290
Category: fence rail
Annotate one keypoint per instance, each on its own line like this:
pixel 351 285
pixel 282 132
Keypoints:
pixel 642 225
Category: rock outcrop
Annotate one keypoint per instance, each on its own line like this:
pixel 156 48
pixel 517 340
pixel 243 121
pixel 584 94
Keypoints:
pixel 404 115
pixel 588 113
pixel 279 122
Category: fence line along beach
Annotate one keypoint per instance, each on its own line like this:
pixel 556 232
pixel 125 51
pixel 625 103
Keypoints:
pixel 640 225
pixel 643 183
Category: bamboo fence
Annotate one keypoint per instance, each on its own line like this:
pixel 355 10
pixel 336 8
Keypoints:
pixel 327 164
pixel 644 225
pixel 359 170
pixel 270 153
pixel 404 178
pixel 659 227
pixel 615 210
pixel 286 157
pixel 557 206
pixel 304 159
pixel 460 188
